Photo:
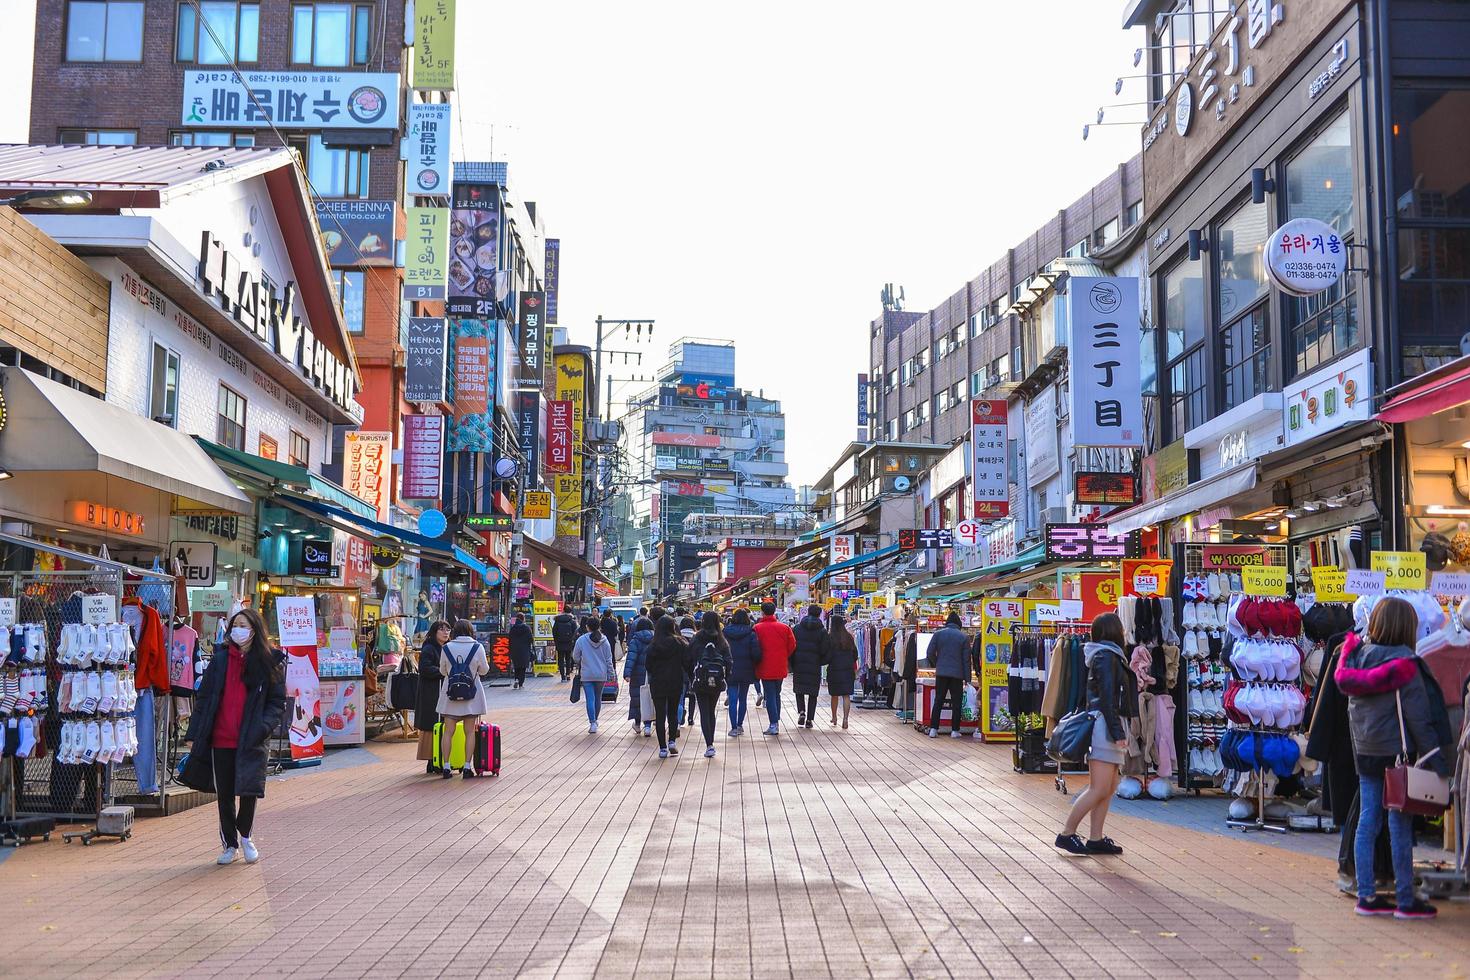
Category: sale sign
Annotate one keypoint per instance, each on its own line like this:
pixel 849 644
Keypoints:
pixel 996 618
pixel 1401 569
pixel 1146 576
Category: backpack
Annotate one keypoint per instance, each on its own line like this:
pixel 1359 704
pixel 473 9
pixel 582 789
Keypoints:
pixel 709 673
pixel 460 684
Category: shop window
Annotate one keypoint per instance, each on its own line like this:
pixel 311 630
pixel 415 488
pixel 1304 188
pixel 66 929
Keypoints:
pixel 217 32
pixel 1433 295
pixel 104 30
pixel 1431 152
pixel 351 289
pixel 1245 351
pixel 333 171
pixel 99 137
pixel 331 35
pixel 1319 184
pixel 1134 214
pixel 300 450
pixel 163 394
pixel 229 427
pixel 209 137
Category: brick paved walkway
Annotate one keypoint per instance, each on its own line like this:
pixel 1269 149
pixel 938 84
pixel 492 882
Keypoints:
pixel 823 853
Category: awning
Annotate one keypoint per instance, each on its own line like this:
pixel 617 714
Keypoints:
pixel 365 527
pixel 295 477
pixel 476 565
pixel 568 562
pixel 857 562
pixel 54 428
pixel 1428 396
pixel 963 583
pixel 1186 501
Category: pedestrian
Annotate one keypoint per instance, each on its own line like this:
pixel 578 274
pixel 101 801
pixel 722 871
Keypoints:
pixel 1395 710
pixel 745 655
pixel 520 648
pixel 426 708
pixel 665 666
pixel 777 644
pixel 686 701
pixel 709 654
pixel 807 660
pixel 635 672
pixel 593 657
pixel 1112 698
pixel 462 696
pixel 842 658
pixel 949 652
pixel 612 632
pixel 237 709
pixel 563 636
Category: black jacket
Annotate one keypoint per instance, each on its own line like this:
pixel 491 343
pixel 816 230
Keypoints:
pixel 564 632
pixel 841 666
pixel 664 666
pixel 520 643
pixel 426 711
pixel 265 705
pixel 697 644
pixel 809 657
pixel 745 653
pixel 612 628
pixel 1111 688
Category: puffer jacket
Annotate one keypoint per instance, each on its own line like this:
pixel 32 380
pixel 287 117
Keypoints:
pixel 745 653
pixel 1111 690
pixel 1376 679
pixel 809 657
pixel 635 664
pixel 664 664
pixel 949 652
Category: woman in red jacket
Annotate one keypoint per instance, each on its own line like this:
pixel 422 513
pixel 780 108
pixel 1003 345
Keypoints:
pixel 777 644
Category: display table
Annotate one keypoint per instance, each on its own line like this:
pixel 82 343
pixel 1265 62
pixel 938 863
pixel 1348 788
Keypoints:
pixel 924 713
pixel 343 707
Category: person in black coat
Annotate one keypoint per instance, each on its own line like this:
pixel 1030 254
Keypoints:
pixel 709 643
pixel 842 657
pixel 426 710
pixel 612 628
pixel 664 668
pixel 807 661
pixel 240 704
pixel 745 656
pixel 1112 699
pixel 520 648
pixel 564 637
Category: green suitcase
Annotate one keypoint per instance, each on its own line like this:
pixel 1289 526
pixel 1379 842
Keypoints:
pixel 456 750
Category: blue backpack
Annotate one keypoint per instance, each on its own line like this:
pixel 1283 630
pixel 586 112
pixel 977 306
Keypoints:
pixel 460 685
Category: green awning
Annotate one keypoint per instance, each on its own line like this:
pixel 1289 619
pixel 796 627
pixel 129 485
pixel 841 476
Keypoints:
pixel 295 477
pixel 1030 556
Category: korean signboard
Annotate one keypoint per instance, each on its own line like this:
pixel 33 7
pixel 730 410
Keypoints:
pixel 217 99
pixel 1147 576
pixel 427 149
pixel 844 546
pixel 427 339
pixel 537 506
pixel 1305 257
pixel 571 386
pixel 474 250
pixel 528 431
pixel 423 456
pixel 367 468
pixel 1337 395
pixel 473 425
pixel 1107 409
pixel 433 48
pixel 1093 489
pixel 925 539
pixel 862 399
pixel 552 277
pixel 692 439
pixel 530 339
pixel 559 447
pixel 1043 461
pixel 426 254
pixel 997 616
pixel 990 484
pixel 356 233
pixel 1088 542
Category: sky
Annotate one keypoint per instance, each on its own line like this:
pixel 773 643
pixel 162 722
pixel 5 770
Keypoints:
pixel 757 171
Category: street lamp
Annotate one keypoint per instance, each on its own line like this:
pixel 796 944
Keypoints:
pixel 49 200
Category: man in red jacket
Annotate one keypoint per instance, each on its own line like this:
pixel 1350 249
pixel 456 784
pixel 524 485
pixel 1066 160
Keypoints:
pixel 777 644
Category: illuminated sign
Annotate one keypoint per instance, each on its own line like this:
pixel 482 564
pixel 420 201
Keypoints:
pixel 102 517
pixel 925 539
pixel 1105 488
pixel 1088 542
pixel 493 522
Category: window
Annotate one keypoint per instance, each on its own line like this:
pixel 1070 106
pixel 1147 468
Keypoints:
pixel 941 402
pixel 1016 293
pixel 229 429
pixel 299 451
pixel 977 324
pixel 330 35
pixel 1245 342
pixel 1319 184
pixel 921 361
pixel 1107 233
pixel 163 395
pixel 1000 369
pixel 891 381
pixel 1079 250
pixel 209 137
pixel 99 137
pixel 1184 334
pixel 908 370
pixel 104 30
pixel 956 338
pixel 921 412
pixel 227 32
pixel 957 393
pixel 909 420
pixel 350 288
pixel 334 171
pixel 1134 214
pixel 977 383
pixel 892 430
pixel 1245 350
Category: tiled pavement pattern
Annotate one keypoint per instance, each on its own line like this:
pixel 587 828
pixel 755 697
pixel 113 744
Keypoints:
pixel 872 852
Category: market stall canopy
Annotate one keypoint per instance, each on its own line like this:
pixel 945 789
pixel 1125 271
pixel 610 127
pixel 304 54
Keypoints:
pixel 1186 501
pixel 365 527
pixel 856 562
pixel 1428 395
pixel 568 562
pixel 977 579
pixel 54 428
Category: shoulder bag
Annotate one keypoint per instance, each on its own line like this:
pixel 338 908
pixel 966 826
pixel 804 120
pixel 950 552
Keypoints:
pixel 1071 740
pixel 1410 789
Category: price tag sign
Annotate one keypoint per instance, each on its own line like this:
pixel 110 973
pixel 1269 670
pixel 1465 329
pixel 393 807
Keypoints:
pixel 1440 583
pixel 1361 581
pixel 1146 584
pixel 7 612
pixel 1268 580
pixel 1401 569
pixel 99 609
pixel 296 621
pixel 1330 585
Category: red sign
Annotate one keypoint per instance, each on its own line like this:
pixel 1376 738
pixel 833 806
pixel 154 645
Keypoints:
pixel 694 439
pixel 423 456
pixel 1146 576
pixel 304 686
pixel 1233 557
pixel 499 654
pixel 357 563
pixel 1106 489
pixel 1099 594
pixel 559 419
pixel 990 484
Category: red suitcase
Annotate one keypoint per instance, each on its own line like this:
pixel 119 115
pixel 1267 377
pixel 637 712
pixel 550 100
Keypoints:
pixel 487 750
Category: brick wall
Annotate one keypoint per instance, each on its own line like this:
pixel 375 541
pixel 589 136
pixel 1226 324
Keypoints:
pixel 52 305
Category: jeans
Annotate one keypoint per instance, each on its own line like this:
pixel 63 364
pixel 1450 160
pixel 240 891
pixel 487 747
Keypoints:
pixel 666 718
pixel 954 689
pixel 520 673
pixel 709 702
pixel 772 692
pixel 806 707
pixel 145 763
pixel 232 825
pixel 1401 842
pixel 592 694
pixel 737 704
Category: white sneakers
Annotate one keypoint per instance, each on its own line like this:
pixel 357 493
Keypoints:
pixel 227 856
pixel 771 730
pixel 592 728
pixel 248 848
pixel 709 753
pixel 954 734
pixel 933 733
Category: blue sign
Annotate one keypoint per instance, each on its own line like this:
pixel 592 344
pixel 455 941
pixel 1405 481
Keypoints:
pixel 862 399
pixel 493 576
pixel 712 380
pixel 432 523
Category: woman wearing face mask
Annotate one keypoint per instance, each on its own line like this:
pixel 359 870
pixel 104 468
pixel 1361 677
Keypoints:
pixel 426 710
pixel 239 706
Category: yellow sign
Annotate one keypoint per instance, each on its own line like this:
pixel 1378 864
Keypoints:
pixel 1328 584
pixel 997 724
pixel 433 50
pixel 543 626
pixel 571 386
pixel 880 601
pixel 426 246
pixel 1264 580
pixel 637 583
pixel 546 607
pixel 1401 569
pixel 537 506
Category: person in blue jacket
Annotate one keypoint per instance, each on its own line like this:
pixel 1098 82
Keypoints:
pixel 635 669
pixel 745 652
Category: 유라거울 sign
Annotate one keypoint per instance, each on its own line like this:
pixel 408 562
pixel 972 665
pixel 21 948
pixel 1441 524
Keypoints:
pixel 1305 256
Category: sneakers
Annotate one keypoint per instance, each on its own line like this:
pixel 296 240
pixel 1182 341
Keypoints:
pixel 1071 843
pixel 663 753
pixel 709 753
pixel 771 730
pixel 956 735
pixel 592 728
pixel 1103 846
pixel 248 848
pixel 801 721
pixel 227 856
pixel 648 731
pixel 673 748
pixel 933 733
pixel 736 732
pixel 1419 910
pixel 636 725
pixel 1378 905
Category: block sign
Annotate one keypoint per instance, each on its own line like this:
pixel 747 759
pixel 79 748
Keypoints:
pixel 1088 542
pixel 1330 585
pixel 1401 569
pixel 1105 489
pixel 296 621
pixel 1268 580
pixel 99 609
pixel 1450 583
pixel 1363 581
pixel 7 613
pixel 925 539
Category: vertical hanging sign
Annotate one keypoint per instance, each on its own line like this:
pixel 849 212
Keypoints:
pixel 553 277
pixel 433 50
pixel 426 259
pixel 423 456
pixel 472 427
pixel 1107 408
pixel 367 468
pixel 425 348
pixel 989 483
pixel 558 436
pixel 427 149
pixel 528 431
pixel 530 339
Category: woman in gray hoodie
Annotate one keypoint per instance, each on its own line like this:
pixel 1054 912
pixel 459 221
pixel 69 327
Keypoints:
pixel 1112 697
pixel 593 657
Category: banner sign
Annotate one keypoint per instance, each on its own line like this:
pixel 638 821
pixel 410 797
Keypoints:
pixel 1088 542
pixel 425 347
pixel 433 47
pixel 530 339
pixel 474 250
pixel 692 439
pixel 537 506
pixel 1263 580
pixel 924 539
pixel 552 276
pixel 428 149
pixel 426 259
pixel 473 427
pixel 559 436
pixel 1104 489
pixel 356 233
pixel 423 456
pixel 1146 576
pixel 1107 408
pixel 991 492
pixel 528 431
pixel 844 546
pixel 571 386
pixel 303 686
pixel 996 618
pixel 367 468
pixel 217 99
pixel 862 393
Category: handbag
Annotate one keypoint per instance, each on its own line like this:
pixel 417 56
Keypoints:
pixel 576 694
pixel 645 703
pixel 403 687
pixel 1411 789
pixel 1071 740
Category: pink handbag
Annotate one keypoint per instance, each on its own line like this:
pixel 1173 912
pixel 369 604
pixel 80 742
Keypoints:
pixel 1410 789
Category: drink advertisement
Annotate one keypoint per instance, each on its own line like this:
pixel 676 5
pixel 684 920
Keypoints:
pixel 296 630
